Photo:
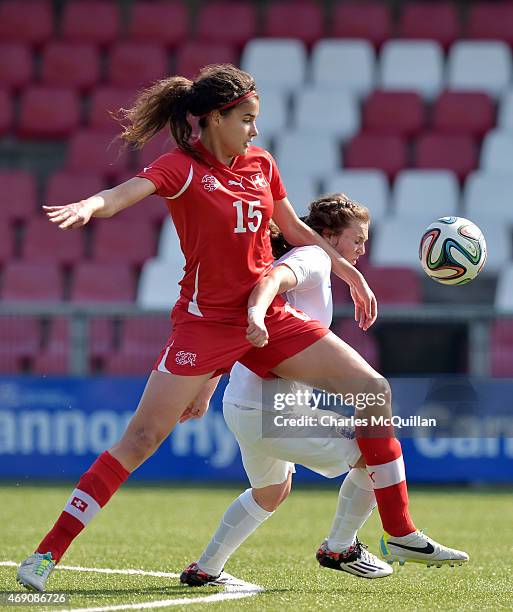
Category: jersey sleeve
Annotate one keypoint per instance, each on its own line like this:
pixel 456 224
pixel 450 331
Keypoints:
pixel 171 174
pixel 311 265
pixel 277 187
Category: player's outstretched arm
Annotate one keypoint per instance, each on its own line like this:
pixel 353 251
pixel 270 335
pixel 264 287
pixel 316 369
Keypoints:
pixel 279 280
pixel 298 233
pixel 104 204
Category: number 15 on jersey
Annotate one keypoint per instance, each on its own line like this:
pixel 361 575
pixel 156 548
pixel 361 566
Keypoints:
pixel 254 216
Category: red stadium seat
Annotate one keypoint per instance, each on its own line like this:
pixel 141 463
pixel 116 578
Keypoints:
pixel 232 23
pixel 301 19
pixel 447 151
pixel 70 65
pixel 395 285
pixel 66 187
pixel 151 210
pixel 101 339
pixel 191 56
pixel 363 342
pixel 394 112
pixel 31 282
pixel 6 241
pixel 137 65
pixel 458 112
pixel 94 151
pixel 158 145
pixel 54 357
pixel 120 241
pixel 141 343
pixel 501 349
pixel 6 115
pixel 90 21
pixel 430 21
pixel 369 20
pixel 19 199
pixel 48 113
pixel 107 100
pixel 491 21
pixel 94 282
pixel 387 153
pixel 161 22
pixel 15 65
pixel 45 242
pixel 26 22
pixel 21 338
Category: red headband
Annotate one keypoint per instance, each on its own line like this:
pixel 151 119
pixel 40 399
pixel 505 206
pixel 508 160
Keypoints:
pixel 250 94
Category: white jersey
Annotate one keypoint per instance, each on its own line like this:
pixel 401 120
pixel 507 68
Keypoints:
pixel 312 294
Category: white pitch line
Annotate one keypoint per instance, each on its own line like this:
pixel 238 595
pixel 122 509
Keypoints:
pixel 238 591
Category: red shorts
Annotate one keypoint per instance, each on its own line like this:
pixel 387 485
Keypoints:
pixel 198 346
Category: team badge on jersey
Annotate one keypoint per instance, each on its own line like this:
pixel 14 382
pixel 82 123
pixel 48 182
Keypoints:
pixel 210 183
pixel 185 358
pixel 258 180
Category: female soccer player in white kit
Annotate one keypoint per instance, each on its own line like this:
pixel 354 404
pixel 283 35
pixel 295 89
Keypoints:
pixel 304 274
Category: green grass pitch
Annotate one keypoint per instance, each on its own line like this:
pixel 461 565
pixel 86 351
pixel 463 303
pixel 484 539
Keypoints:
pixel 165 527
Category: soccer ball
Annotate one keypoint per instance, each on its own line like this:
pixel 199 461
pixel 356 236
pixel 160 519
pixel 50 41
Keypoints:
pixel 452 251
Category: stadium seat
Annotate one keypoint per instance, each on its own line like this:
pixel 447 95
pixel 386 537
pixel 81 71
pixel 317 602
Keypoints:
pixel 152 211
pixel 158 284
pixel 137 65
pixel 48 113
pixel 44 242
pixel 232 23
pixel 26 22
pixel 161 143
pixel 102 338
pixel 19 199
pixel 394 112
pixel 21 337
pixel 31 282
pixel 193 55
pixel 436 21
pixel 345 65
pixel 376 151
pixel 161 22
pixel 278 64
pixel 120 241
pixel 369 20
pixel 504 291
pixel 301 190
pixel 15 65
pixel 479 66
pixel 307 153
pixel 141 342
pixel 501 348
pixel 497 152
pixel 395 285
pixel 491 21
pixel 369 187
pixel 425 194
pixel 505 112
pixel 363 342
pixel 407 65
pixel 456 152
pixel 54 357
pixel 66 187
pixel 464 113
pixel 6 114
pixel 169 245
pixel 274 113
pixel 336 114
pixel 90 21
pixel 94 151
pixel 6 241
pixel 302 19
pixel 70 65
pixel 107 100
pixel 101 282
pixel 490 194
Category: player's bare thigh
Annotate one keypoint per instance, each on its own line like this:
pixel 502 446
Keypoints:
pixel 332 365
pixel 164 399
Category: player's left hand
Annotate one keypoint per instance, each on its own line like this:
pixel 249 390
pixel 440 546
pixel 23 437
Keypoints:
pixel 195 410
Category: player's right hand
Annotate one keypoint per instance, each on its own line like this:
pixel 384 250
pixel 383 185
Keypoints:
pixel 365 303
pixel 70 216
pixel 256 332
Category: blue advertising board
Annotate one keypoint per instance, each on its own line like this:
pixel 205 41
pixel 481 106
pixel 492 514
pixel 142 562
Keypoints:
pixel 53 428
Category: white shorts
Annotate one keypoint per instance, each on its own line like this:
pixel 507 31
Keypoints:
pixel 268 461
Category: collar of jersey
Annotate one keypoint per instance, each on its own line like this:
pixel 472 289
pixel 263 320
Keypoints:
pixel 211 160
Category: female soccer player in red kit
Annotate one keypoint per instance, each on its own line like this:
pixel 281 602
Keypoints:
pixel 221 193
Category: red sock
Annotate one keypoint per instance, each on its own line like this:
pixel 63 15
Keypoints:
pixel 93 491
pixel 385 465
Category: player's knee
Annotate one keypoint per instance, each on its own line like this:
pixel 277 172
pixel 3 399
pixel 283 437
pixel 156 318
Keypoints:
pixel 143 442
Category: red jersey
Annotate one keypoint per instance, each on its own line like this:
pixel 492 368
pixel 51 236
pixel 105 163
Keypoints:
pixel 221 214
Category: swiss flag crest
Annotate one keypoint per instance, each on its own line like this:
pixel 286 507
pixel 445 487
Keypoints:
pixel 79 504
pixel 258 180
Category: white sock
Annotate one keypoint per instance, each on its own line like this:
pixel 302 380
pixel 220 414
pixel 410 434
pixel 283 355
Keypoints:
pixel 356 501
pixel 238 523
